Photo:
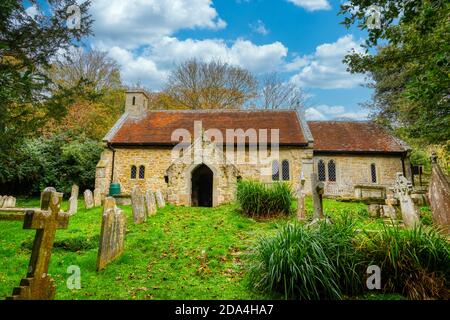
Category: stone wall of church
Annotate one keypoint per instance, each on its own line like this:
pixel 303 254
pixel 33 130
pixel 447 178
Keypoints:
pixel 355 170
pixel 175 182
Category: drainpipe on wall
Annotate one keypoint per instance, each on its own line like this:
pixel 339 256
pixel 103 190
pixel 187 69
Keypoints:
pixel 403 164
pixel 113 162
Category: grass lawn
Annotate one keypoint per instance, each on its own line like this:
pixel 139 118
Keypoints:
pixel 162 258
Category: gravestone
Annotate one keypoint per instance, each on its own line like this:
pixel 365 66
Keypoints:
pixel 138 205
pixel 97 198
pixel 88 199
pixel 112 235
pixel 301 210
pixel 439 196
pixel 9 202
pixel 388 211
pixel 374 210
pixel 73 200
pixel 2 200
pixel 317 193
pixel 150 201
pixel 402 191
pixel 160 199
pixel 38 285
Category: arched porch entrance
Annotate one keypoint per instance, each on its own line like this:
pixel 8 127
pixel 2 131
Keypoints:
pixel 202 186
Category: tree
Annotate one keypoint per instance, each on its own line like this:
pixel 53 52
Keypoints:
pixel 27 45
pixel 93 68
pixel 276 94
pixel 98 96
pixel 214 85
pixel 410 71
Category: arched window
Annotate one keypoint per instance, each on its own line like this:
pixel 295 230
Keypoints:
pixel 141 172
pixel 133 172
pixel 373 172
pixel 332 171
pixel 275 171
pixel 321 170
pixel 134 101
pixel 285 170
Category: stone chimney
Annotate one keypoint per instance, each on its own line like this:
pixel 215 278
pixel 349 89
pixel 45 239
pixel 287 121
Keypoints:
pixel 136 103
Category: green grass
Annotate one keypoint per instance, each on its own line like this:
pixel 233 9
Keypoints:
pixel 163 257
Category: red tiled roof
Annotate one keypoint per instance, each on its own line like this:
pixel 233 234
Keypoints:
pixel 156 127
pixel 364 137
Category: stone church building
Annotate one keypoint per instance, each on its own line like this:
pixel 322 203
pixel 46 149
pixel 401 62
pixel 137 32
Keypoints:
pixel 197 157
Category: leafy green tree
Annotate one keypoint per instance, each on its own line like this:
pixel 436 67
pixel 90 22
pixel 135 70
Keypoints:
pixel 411 67
pixel 58 161
pixel 27 46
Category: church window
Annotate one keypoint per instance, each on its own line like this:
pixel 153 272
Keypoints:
pixel 133 172
pixel 321 171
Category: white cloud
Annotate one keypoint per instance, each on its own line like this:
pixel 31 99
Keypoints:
pixel 134 23
pixel 325 68
pixel 312 5
pixel 152 64
pixel 259 27
pixel 325 112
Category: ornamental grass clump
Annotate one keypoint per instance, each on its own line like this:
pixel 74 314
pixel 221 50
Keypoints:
pixel 259 200
pixel 309 263
pixel 414 263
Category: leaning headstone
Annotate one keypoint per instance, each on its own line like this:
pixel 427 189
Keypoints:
pixel 9 202
pixel 88 199
pixel 150 201
pixel 317 193
pixel 160 199
pixel 73 200
pixel 112 235
pixel 97 198
pixel 138 205
pixel 402 191
pixel 301 211
pixel 439 196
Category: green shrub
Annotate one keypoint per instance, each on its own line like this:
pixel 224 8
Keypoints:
pixel 329 261
pixel 309 262
pixel 259 200
pixel 415 263
pixel 58 161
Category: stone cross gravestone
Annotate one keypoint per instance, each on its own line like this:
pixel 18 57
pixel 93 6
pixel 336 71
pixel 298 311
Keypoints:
pixel 112 235
pixel 73 200
pixel 301 211
pixel 97 198
pixel 138 205
pixel 88 199
pixel 318 188
pixel 402 190
pixel 38 285
pixel 150 201
pixel 160 199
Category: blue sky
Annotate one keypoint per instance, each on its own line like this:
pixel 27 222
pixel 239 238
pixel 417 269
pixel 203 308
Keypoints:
pixel 302 40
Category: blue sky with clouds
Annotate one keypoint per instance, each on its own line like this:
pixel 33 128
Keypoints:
pixel 302 40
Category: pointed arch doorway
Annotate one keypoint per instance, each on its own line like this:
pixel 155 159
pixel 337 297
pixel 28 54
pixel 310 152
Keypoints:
pixel 202 186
